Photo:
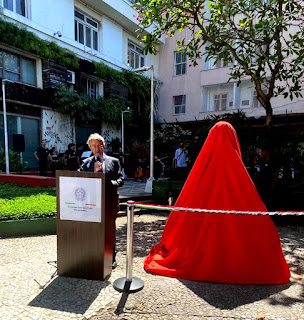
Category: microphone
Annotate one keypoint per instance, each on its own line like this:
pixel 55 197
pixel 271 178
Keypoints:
pixel 85 162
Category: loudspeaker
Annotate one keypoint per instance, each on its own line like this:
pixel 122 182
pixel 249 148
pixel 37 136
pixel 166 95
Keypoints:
pixel 18 143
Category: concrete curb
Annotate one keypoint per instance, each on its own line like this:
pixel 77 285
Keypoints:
pixel 28 227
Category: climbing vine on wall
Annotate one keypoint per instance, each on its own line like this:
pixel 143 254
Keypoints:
pixel 70 102
pixel 138 85
pixel 85 108
pixel 19 37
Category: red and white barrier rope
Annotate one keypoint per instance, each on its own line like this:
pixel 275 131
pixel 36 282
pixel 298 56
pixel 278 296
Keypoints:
pixel 170 208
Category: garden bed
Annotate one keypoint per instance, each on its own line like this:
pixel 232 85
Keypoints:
pixel 28 227
pixel 27 211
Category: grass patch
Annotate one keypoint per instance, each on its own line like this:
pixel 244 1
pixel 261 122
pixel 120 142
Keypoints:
pixel 23 202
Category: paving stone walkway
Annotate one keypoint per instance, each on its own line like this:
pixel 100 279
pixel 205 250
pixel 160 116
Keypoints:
pixel 133 188
pixel 30 289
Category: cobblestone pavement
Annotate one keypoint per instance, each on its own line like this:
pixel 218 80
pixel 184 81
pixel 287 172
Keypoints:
pixel 133 188
pixel 29 288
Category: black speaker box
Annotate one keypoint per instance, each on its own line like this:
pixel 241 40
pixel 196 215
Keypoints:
pixel 18 143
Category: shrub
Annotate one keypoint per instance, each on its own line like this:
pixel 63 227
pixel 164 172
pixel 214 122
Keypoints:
pixel 14 162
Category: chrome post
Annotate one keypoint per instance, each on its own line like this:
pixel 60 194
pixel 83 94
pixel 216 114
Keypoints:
pixel 129 284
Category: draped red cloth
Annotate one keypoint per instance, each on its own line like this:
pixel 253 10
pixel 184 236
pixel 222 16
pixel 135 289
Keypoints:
pixel 223 248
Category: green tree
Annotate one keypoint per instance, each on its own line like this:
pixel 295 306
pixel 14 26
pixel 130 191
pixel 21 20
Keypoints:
pixel 262 39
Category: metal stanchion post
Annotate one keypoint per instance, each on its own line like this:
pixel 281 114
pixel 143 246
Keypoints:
pixel 128 283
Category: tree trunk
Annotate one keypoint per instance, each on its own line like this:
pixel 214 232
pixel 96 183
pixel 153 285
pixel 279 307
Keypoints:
pixel 268 109
pixel 265 102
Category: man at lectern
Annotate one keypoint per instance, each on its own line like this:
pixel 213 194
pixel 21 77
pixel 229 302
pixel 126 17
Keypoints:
pixel 110 166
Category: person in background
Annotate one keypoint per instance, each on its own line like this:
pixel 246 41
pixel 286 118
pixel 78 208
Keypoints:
pixel 79 153
pixel 53 160
pixel 267 177
pixel 180 161
pixel 139 174
pixel 71 157
pixel 110 151
pixel 110 166
pixel 158 167
pixel 41 154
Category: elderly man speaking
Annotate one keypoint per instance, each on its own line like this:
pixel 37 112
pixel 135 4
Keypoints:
pixel 110 166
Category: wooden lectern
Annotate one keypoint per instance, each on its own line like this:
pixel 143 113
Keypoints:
pixel 84 248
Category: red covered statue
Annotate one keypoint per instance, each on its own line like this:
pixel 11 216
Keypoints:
pixel 223 248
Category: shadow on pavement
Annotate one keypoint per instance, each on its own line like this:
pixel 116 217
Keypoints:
pixel 69 295
pixel 146 235
pixel 224 296
pixel 229 296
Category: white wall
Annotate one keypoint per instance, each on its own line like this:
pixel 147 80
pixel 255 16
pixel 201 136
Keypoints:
pixel 58 129
pixel 112 40
pixel 55 15
pixel 49 16
pixel 110 132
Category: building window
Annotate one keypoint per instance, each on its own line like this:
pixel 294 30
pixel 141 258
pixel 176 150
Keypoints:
pixel 211 64
pixel 90 87
pixel 30 127
pixel 16 68
pixel 220 101
pixel 86 30
pixel 214 62
pixel 136 58
pixel 180 63
pixel 179 104
pixel 18 6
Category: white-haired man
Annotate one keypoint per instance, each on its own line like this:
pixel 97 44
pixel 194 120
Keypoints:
pixel 110 166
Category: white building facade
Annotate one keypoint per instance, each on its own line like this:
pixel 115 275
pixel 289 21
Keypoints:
pixel 94 30
pixel 193 93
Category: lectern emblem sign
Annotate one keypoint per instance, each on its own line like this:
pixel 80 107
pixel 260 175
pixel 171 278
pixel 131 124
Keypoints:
pixel 80 198
pixel 80 194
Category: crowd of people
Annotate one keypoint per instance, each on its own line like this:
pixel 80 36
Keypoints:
pixel 52 159
pixel 71 159
pixel 266 173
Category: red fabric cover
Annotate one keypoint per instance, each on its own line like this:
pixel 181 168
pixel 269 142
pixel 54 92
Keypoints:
pixel 223 248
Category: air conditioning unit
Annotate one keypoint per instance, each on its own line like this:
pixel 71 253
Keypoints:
pixel 70 76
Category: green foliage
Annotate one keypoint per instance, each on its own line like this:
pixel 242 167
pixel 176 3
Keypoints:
pixel 108 73
pixel 138 85
pixel 70 102
pixel 238 119
pixel 111 108
pixel 18 37
pixel 14 162
pixel 75 104
pixel 263 40
pixel 23 202
pixel 86 108
pixel 169 133
pixel 161 189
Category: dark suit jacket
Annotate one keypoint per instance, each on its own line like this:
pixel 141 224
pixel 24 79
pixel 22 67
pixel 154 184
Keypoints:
pixel 113 180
